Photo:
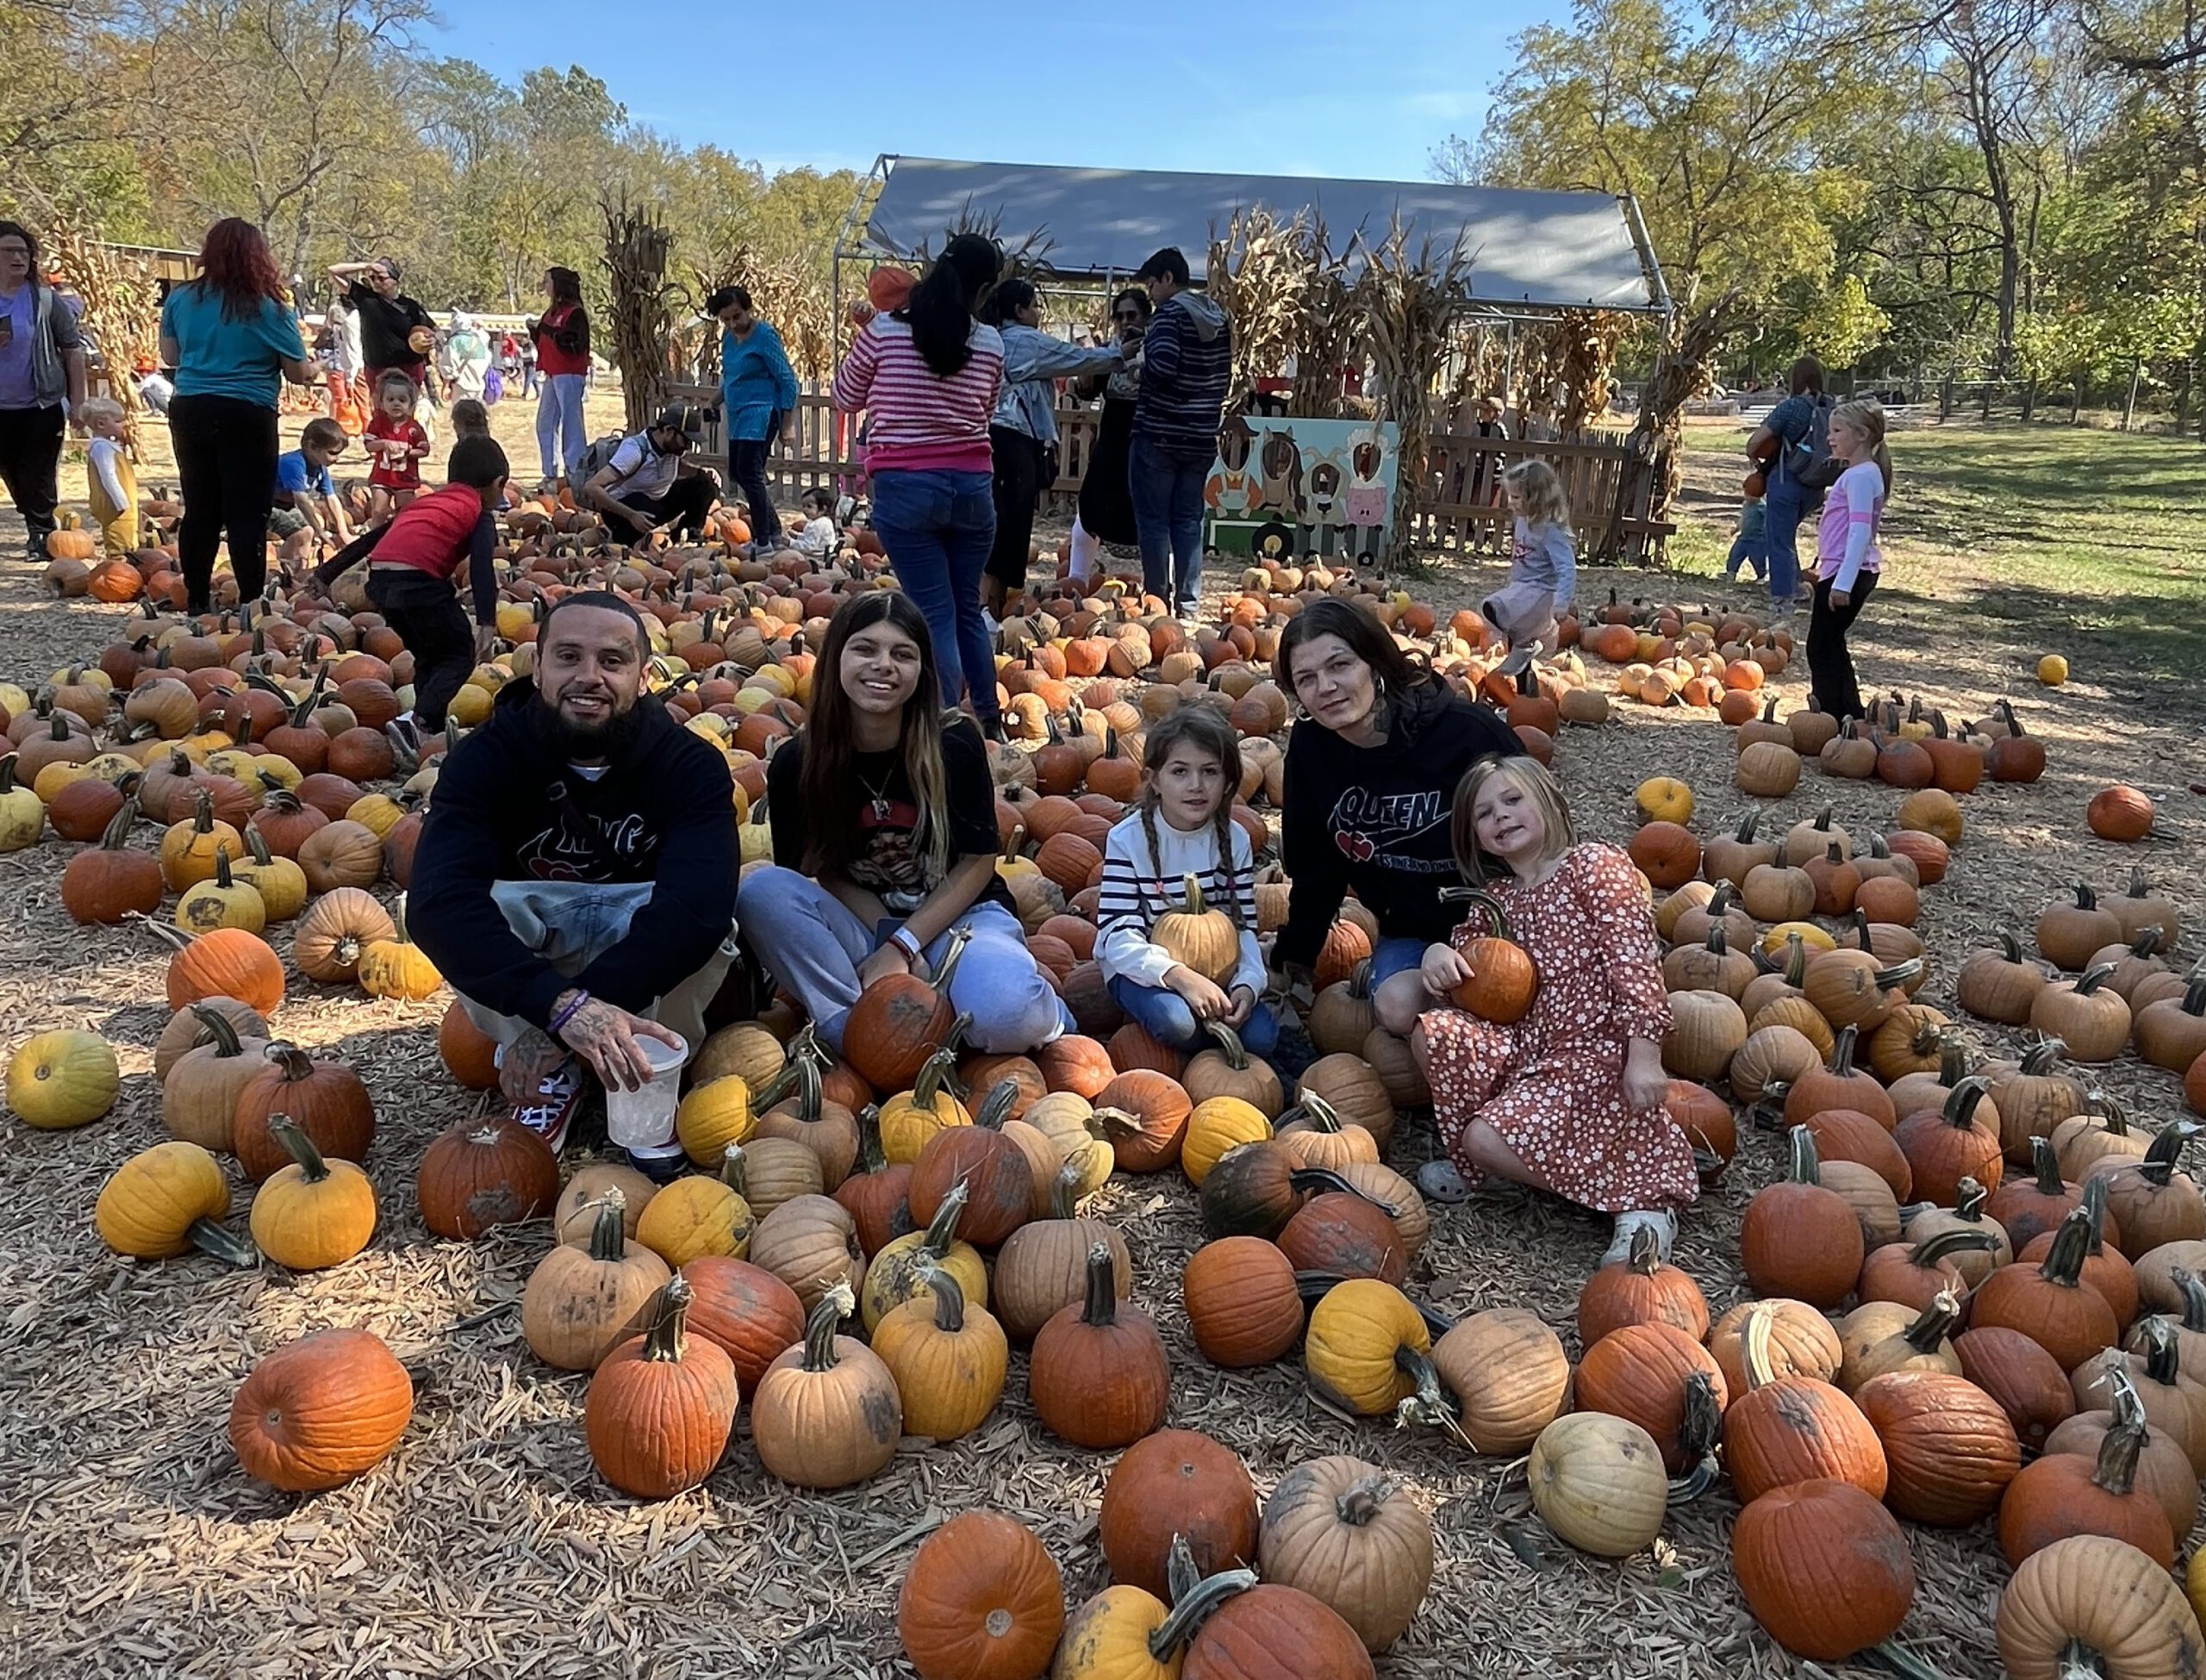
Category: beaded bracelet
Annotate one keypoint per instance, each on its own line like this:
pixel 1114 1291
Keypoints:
pixel 560 1020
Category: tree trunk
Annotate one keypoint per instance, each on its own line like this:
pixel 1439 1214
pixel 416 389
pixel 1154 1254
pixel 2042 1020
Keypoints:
pixel 2129 402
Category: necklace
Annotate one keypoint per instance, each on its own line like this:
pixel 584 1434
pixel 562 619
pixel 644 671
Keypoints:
pixel 879 794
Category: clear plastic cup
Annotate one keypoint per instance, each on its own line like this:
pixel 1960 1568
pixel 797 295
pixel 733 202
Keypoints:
pixel 644 1118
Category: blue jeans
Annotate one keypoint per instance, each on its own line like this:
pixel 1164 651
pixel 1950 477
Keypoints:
pixel 1390 957
pixel 1167 498
pixel 813 944
pixel 560 439
pixel 1165 1015
pixel 1786 508
pixel 937 528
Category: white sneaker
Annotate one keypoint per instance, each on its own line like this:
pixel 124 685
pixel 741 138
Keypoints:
pixel 1661 1221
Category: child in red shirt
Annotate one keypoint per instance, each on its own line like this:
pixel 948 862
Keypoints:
pixel 414 570
pixel 395 443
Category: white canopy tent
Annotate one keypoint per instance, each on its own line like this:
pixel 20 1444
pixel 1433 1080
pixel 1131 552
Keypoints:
pixel 1528 251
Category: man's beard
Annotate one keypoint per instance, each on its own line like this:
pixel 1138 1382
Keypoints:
pixel 603 739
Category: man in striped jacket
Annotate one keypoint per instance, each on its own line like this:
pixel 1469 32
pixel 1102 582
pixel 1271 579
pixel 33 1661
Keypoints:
pixel 1186 361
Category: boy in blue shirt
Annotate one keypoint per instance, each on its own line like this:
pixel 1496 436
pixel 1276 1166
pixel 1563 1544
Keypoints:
pixel 304 497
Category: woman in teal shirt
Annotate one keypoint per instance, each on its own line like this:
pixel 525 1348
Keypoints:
pixel 233 337
pixel 758 397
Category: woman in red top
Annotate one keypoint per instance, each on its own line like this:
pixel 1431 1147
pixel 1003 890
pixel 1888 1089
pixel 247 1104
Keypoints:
pixel 561 338
pixel 413 566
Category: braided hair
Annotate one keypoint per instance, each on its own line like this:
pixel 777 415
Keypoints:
pixel 1204 728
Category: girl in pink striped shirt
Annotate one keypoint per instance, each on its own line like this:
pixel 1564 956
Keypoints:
pixel 1847 560
pixel 928 376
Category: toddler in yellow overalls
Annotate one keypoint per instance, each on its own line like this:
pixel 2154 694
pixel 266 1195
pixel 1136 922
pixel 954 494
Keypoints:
pixel 114 484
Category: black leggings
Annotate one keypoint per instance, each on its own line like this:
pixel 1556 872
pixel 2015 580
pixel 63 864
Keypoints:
pixel 1830 665
pixel 225 468
pixel 1017 485
pixel 746 466
pixel 30 461
pixel 427 616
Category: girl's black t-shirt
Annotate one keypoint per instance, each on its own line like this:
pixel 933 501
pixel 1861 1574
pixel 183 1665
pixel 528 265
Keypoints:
pixel 384 324
pixel 887 863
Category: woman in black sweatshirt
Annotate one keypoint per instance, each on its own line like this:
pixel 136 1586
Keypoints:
pixel 1371 770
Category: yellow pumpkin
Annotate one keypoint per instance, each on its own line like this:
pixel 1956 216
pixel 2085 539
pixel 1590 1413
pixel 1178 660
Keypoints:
pixel 314 1213
pixel 378 813
pixel 2053 671
pixel 909 1119
pixel 713 1116
pixel 1357 1336
pixel 188 848
pixel 695 1215
pixel 1108 1639
pixel 22 813
pixel 903 1269
pixel 167 1199
pixel 1218 1124
pixel 1664 799
pixel 224 901
pixel 1815 938
pixel 58 1080
pixel 398 968
pixel 280 882
pixel 948 1359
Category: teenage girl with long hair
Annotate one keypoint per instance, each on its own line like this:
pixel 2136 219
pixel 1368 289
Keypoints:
pixel 233 336
pixel 1181 829
pixel 1847 560
pixel 928 376
pixel 561 336
pixel 885 842
pixel 1569 1097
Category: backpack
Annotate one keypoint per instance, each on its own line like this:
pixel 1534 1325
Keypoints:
pixel 596 457
pixel 1810 463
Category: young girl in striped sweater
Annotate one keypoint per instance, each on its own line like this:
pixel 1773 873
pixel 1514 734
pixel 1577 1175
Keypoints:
pixel 1183 826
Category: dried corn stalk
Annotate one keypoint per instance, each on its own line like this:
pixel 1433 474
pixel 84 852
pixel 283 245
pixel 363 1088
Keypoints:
pixel 122 308
pixel 645 305
pixel 789 294
pixel 1583 343
pixel 1257 272
pixel 1684 370
pixel 1408 304
pixel 1326 328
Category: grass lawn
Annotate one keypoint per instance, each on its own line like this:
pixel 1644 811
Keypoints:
pixel 2082 542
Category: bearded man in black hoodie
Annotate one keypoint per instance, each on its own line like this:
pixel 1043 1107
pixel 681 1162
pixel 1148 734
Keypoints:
pixel 575 881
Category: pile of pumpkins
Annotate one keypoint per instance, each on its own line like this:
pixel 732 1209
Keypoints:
pixel 931 1197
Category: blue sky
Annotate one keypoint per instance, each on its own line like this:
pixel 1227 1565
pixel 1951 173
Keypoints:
pixel 1365 88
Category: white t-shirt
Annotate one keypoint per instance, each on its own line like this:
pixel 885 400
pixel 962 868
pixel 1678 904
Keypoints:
pixel 641 469
pixel 348 336
pixel 816 539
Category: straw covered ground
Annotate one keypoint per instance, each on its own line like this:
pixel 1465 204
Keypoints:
pixel 131 1542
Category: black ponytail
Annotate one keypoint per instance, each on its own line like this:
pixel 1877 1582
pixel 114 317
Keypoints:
pixel 941 307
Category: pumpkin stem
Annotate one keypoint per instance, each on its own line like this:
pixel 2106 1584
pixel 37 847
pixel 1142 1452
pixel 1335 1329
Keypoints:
pixel 733 1172
pixel 1927 1252
pixel 2047 1166
pixel 1754 1341
pixel 1361 1504
pixel 297 1145
pixel 220 1033
pixel 949 1297
pixel 2117 1471
pixel 1960 1110
pixel 927 1088
pixel 2162 1363
pixel 2158 1168
pixel 1645 1257
pixel 1805 1167
pixel 1898 975
pixel 1230 1045
pixel 819 1329
pixel 2093 978
pixel 1969 1197
pixel 1064 1192
pixel 2187 1286
pixel 1432 1405
pixel 2040 1056
pixel 995 1107
pixel 608 1236
pixel 2071 1244
pixel 948 966
pixel 1321 1114
pixel 211 1238
pixel 1102 1308
pixel 1479 900
pixel 663 1340
pixel 1195 1595
pixel 1935 1324
pixel 942 1230
pixel 295 1062
pixel 1842 1052
pixel 1698 1432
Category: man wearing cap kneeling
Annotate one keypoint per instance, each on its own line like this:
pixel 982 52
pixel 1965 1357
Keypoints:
pixel 576 877
pixel 650 481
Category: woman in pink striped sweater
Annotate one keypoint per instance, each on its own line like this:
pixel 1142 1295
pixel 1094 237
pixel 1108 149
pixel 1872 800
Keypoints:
pixel 928 376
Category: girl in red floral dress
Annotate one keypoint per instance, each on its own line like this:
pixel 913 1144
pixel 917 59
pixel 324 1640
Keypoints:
pixel 1569 1098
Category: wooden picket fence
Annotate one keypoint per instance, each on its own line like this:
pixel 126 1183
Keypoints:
pixel 1458 505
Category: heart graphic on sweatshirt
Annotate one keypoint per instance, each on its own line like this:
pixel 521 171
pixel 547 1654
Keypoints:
pixel 1356 847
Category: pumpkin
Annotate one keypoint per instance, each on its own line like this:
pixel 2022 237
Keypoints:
pixel 908 1120
pixel 877 1197
pixel 1801 1342
pixel 2120 813
pixel 1663 800
pixel 1823 1567
pixel 1999 984
pixel 712 1116
pixel 2163 1468
pixel 165 1200
pixel 2139 909
pixel 1800 1239
pixel 1227 1070
pixel 1196 937
pixel 199 1096
pixel 1889 1335
pixel 1947 1145
pixel 188 1032
pixel 397 967
pixel 103 883
pixel 188 848
pixel 825 1128
pixel 2105 1270
pixel 1340 1530
pixel 1707 1030
pixel 335 930
pixel 1502 980
pixel 2090 1017
pixel 1344 1235
pixel 326 1099
pixel 899 1022
pixel 1145 1115
pixel 662 1405
pixel 2148 1201
pixel 2171 1031
pixel 1313 1134
pixel 1663 1380
pixel 1263 1629
pixel 900 1271
pixel 697 1216
pixel 810 1242
pixel 1792 1428
pixel 2068 933
pixel 486 1172
pixel 2049 1302
pixel 827 1413
pixel 1043 1266
pixel 1098 1375
pixel 1913 1274
pixel 1242 1302
pixel 2023 1380
pixel 60 1080
pixel 1508 1376
pixel 1598 1482
pixel 2173 1403
pixel 2089 1604
pixel 582 1302
pixel 997 1181
pixel 751 1314
pixel 1351 1087
pixel 2063 1494
pixel 1368 1349
pixel 314 1213
pixel 1641 1289
pixel 1176 1485
pixel 982 1600
pixel 1857 988
pixel 320 1410
pixel 948 1359
pixel 1216 1125
pixel 1340 1017
pixel 2033 1096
